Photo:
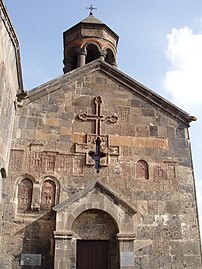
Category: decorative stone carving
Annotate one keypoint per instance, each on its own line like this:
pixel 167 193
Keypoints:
pixel 49 160
pixel 125 170
pixel 97 117
pixel 16 160
pixel 85 148
pixel 153 185
pixel 25 189
pixel 126 151
pixel 159 172
pixel 161 143
pixel 142 170
pixel 78 163
pixel 65 163
pixel 124 114
pixel 172 232
pixel 48 195
pixel 36 162
pixel 171 173
pixel 89 145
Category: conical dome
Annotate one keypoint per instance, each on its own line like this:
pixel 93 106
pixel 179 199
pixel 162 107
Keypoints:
pixel 88 40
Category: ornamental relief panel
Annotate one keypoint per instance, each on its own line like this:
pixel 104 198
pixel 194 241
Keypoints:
pixel 25 189
pixel 28 193
pixel 142 170
pixel 46 162
pixel 163 177
pixel 159 171
pixel 48 195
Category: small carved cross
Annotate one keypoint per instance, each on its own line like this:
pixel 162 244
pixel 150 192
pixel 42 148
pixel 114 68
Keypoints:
pixel 97 117
pixel 91 9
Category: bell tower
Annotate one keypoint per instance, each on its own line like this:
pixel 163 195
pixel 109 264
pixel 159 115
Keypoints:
pixel 87 41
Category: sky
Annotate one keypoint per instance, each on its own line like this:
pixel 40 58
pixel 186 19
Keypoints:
pixel 160 46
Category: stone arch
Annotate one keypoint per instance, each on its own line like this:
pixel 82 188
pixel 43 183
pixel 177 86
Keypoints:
pixel 71 58
pixel 93 52
pixel 49 193
pixel 110 58
pixel 111 210
pixel 99 225
pixel 91 228
pixel 26 176
pixel 142 169
pixel 19 179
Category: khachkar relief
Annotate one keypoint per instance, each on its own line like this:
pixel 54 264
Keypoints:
pixel 97 148
pixel 162 178
pixel 25 195
pixel 35 160
pixel 48 195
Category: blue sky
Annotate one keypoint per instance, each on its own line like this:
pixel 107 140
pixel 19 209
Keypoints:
pixel 160 46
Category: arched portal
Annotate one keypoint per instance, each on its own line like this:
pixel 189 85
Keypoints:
pixel 96 240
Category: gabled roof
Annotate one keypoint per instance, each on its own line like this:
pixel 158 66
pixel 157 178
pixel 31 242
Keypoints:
pixel 112 72
pixel 100 187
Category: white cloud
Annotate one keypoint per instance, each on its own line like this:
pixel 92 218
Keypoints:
pixel 183 81
pixel 184 78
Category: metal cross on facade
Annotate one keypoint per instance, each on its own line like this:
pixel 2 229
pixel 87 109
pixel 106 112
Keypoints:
pixel 91 9
pixel 98 154
pixel 97 117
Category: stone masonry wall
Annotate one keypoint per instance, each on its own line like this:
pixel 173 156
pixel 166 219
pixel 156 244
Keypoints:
pixel 148 164
pixel 10 84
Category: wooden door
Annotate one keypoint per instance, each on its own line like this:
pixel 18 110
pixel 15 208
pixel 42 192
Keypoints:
pixel 92 254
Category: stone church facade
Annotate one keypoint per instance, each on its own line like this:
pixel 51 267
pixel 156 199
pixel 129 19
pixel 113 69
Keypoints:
pixel 100 171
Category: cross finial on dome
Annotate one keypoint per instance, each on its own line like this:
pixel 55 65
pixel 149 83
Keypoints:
pixel 91 9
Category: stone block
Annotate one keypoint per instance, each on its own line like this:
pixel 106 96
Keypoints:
pixel 52 122
pixel 40 135
pixel 28 123
pixel 173 207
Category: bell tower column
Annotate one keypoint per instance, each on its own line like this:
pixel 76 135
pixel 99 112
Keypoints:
pixel 102 55
pixel 82 57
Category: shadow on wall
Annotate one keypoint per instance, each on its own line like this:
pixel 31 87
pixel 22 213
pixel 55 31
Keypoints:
pixel 35 238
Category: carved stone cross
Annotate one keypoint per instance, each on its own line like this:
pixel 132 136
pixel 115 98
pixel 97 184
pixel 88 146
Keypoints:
pixel 97 117
pixel 97 147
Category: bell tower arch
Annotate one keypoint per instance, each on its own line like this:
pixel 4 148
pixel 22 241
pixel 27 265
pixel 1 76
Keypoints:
pixel 87 41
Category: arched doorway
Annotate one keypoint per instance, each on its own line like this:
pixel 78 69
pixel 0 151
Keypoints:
pixel 97 245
